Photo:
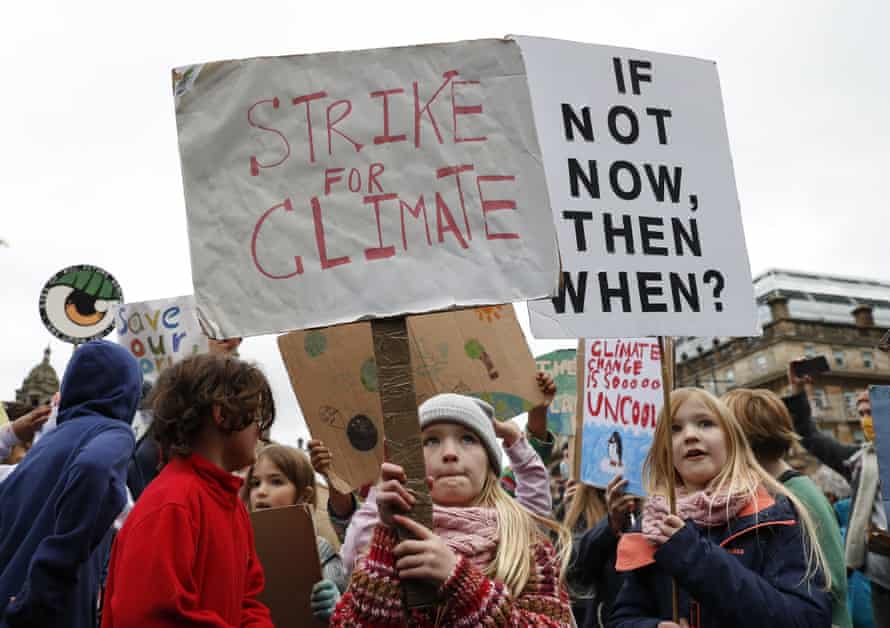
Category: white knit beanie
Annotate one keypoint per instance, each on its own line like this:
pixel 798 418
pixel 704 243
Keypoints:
pixel 474 414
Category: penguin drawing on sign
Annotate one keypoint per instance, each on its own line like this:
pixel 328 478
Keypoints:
pixel 615 450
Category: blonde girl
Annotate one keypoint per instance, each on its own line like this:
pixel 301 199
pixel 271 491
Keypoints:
pixel 491 559
pixel 742 549
pixel 283 476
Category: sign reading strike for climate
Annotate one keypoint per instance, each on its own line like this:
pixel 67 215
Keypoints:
pixel 622 394
pixel 643 195
pixel 325 188
pixel 159 333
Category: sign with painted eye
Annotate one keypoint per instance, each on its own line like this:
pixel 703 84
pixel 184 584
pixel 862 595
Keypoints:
pixel 77 303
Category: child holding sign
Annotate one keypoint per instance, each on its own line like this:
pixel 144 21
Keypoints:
pixel 526 454
pixel 491 558
pixel 283 476
pixel 743 550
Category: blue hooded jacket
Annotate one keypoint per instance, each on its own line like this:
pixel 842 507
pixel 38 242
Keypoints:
pixel 57 508
pixel 749 572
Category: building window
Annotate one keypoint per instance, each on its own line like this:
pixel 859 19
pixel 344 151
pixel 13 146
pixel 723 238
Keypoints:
pixel 868 359
pixel 760 363
pixel 850 403
pixel 730 376
pixel 809 351
pixel 840 360
pixel 858 435
pixel 820 399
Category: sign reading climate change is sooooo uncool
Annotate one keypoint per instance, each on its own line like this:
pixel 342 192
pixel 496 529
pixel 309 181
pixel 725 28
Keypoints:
pixel 643 195
pixel 620 396
pixel 321 189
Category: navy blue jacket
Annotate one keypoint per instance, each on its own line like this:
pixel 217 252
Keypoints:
pixel 747 573
pixel 592 573
pixel 57 508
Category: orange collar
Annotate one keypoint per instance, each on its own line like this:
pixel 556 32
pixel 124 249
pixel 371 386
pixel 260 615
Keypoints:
pixel 761 502
pixel 635 551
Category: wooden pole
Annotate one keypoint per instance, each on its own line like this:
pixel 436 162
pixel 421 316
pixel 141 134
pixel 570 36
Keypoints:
pixel 576 441
pixel 401 425
pixel 666 346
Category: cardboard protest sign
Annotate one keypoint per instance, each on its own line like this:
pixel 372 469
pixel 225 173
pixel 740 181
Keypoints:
pixel 643 195
pixel 561 366
pixel 373 183
pixel 478 351
pixel 620 396
pixel 160 332
pixel 77 303
pixel 287 549
pixel 880 411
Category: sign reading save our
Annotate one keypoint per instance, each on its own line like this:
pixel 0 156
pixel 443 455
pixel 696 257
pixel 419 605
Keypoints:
pixel 325 188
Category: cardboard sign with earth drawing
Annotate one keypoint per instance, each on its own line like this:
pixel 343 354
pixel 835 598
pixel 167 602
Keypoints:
pixel 479 351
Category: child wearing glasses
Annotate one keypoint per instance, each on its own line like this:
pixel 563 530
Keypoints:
pixel 186 554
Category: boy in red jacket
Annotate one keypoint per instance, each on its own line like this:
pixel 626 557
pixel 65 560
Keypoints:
pixel 186 554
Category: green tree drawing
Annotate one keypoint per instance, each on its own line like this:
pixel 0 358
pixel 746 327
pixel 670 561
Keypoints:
pixel 476 351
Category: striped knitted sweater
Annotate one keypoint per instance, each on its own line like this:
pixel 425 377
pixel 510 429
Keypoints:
pixel 374 599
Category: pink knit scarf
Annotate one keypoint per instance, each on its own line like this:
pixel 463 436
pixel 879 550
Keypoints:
pixel 471 532
pixel 704 509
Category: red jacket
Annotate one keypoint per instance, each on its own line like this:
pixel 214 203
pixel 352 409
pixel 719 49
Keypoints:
pixel 185 555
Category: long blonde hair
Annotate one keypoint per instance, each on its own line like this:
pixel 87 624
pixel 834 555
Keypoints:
pixel 740 474
pixel 519 530
pixel 587 501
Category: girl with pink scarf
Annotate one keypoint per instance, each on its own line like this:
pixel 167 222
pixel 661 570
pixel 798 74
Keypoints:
pixel 490 558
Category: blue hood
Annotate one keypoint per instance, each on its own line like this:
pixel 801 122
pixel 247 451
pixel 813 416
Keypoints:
pixel 59 504
pixel 102 378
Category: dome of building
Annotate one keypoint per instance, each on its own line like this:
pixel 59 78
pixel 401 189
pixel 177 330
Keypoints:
pixel 40 384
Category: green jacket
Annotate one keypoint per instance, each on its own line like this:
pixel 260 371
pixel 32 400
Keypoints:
pixel 829 535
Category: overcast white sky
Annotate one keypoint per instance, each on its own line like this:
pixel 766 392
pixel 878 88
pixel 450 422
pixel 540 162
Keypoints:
pixel 89 166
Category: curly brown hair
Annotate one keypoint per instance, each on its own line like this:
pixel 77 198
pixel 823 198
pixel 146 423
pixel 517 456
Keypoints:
pixel 182 400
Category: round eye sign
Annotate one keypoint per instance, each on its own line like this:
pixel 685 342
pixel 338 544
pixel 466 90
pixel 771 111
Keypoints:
pixel 77 303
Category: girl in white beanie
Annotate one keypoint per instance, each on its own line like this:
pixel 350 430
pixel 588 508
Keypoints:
pixel 491 558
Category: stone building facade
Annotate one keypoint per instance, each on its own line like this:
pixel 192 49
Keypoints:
pixel 802 315
pixel 37 389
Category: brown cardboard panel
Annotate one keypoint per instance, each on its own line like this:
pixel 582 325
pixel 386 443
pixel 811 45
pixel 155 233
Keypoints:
pixel 334 373
pixel 286 545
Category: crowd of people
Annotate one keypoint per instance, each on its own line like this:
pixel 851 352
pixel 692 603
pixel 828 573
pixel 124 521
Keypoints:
pixel 99 529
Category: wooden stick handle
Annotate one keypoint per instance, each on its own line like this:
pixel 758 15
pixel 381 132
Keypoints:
pixel 401 425
pixel 666 345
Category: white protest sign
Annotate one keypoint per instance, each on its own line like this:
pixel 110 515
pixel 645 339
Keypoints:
pixel 160 332
pixel 643 195
pixel 325 188
pixel 622 394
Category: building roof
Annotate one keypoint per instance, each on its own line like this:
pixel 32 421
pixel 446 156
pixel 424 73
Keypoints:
pixel 811 296
pixel 42 381
pixel 829 298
